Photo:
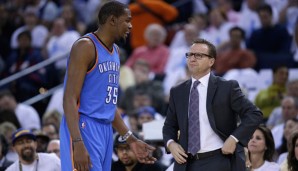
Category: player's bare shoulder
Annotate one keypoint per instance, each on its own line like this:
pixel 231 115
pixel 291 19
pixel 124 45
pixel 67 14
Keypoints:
pixel 83 49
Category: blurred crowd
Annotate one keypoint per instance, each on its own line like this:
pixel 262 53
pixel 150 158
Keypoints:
pixel 252 37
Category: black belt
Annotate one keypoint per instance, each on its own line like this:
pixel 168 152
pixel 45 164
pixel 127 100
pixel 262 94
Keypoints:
pixel 200 156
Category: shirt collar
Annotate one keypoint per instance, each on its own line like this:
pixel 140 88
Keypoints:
pixel 204 80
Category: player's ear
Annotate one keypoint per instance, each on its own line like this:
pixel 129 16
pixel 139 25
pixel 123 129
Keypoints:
pixel 112 20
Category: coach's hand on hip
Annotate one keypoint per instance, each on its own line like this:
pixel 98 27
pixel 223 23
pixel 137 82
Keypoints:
pixel 229 146
pixel 177 152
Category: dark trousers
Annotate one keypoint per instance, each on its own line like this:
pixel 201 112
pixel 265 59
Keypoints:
pixel 218 162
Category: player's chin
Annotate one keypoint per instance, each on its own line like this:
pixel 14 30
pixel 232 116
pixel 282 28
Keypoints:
pixel 123 38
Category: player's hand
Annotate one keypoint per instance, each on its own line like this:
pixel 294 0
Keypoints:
pixel 177 152
pixel 229 146
pixel 142 150
pixel 81 157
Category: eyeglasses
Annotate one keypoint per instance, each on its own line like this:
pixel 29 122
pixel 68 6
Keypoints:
pixel 197 55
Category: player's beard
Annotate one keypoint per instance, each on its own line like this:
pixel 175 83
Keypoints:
pixel 121 40
pixel 28 156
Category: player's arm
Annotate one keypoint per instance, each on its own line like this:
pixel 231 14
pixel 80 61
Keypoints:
pixel 82 56
pixel 142 150
pixel 120 126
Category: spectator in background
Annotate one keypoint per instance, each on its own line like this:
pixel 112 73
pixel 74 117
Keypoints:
pixel 25 56
pixel 52 117
pixel 289 111
pixel 261 150
pixel 89 7
pixel 71 20
pixel 288 15
pixel 146 12
pixel 144 93
pixel 24 143
pixel 54 147
pixel 27 115
pixel 55 103
pixel 48 11
pixel 226 6
pixel 7 129
pixel 8 116
pixel 127 159
pixel 218 30
pixel 138 97
pixel 186 36
pixel 270 98
pixel 295 39
pixel 4 162
pixel 145 114
pixel 38 32
pixel 59 42
pixel 155 52
pixel 249 19
pixel 127 78
pixel 176 77
pixel 293 153
pixel 50 130
pixel 235 56
pixel 7 27
pixel 42 141
pixel 276 117
pixel 271 42
pixel 179 46
pixel 290 127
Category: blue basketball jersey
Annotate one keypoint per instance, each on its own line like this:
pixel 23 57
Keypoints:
pixel 99 93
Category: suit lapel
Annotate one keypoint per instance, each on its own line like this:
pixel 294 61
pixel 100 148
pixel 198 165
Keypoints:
pixel 212 86
pixel 185 101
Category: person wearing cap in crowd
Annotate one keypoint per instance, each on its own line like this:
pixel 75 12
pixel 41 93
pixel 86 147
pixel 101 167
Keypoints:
pixel 42 141
pixel 127 160
pixel 145 114
pixel 24 143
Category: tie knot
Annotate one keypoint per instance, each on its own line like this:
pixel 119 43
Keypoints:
pixel 196 83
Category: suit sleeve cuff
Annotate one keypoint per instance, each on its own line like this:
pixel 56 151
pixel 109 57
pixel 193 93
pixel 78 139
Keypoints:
pixel 168 143
pixel 234 138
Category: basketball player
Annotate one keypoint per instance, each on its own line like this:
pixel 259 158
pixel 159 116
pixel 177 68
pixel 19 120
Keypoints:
pixel 90 97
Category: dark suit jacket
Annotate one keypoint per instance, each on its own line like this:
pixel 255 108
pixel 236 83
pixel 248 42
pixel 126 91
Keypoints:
pixel 225 104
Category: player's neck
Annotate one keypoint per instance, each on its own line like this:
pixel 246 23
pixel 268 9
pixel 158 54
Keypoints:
pixel 104 38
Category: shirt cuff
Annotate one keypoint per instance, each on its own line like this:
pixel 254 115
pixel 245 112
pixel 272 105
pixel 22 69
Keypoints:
pixel 234 138
pixel 168 143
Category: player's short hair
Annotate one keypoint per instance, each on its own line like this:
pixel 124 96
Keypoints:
pixel 114 8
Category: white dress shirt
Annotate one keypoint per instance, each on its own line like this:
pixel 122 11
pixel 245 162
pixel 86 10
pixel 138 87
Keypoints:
pixel 209 139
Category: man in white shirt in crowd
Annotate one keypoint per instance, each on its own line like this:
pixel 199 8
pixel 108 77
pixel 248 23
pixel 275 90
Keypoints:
pixel 8 102
pixel 24 143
